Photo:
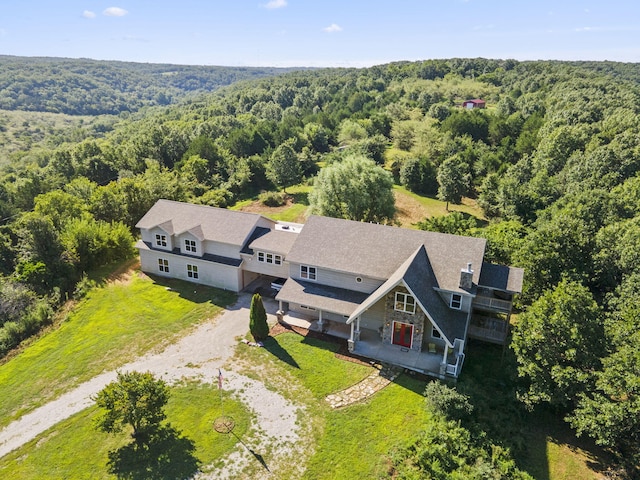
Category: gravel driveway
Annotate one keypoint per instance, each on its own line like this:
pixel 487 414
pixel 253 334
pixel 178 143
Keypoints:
pixel 198 355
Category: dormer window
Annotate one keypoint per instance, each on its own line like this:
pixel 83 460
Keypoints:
pixel 190 246
pixel 161 240
pixel 405 303
pixel 456 301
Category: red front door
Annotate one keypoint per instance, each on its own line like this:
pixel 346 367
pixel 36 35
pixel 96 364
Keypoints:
pixel 402 334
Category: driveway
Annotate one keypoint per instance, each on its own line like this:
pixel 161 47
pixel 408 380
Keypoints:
pixel 198 355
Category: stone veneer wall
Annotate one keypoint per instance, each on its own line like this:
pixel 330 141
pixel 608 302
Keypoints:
pixel 392 315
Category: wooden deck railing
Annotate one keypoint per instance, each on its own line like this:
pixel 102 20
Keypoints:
pixel 492 302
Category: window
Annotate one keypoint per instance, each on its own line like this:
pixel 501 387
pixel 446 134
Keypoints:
pixel 163 265
pixel 456 301
pixel 190 246
pixel 358 279
pixel 192 271
pixel 161 240
pixel 271 258
pixel 435 333
pixel 308 272
pixel 307 308
pixel 405 303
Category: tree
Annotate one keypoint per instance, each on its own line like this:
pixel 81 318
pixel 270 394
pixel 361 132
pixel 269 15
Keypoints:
pixel 284 168
pixel 258 325
pixel 558 343
pixel 455 223
pixel 355 189
pixel 136 399
pixel 453 180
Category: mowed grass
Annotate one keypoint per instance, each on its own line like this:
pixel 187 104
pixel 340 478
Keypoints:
pixel 74 449
pixel 113 325
pixel 350 443
pixel 412 208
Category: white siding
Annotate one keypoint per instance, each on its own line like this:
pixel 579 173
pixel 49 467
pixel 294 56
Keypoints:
pixel 251 264
pixel 222 249
pixel 209 273
pixel 373 318
pixel 466 300
pixel 339 279
pixel 150 237
pixel 180 242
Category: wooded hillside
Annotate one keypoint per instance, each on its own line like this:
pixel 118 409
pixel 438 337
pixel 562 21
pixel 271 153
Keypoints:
pixel 553 161
pixel 92 87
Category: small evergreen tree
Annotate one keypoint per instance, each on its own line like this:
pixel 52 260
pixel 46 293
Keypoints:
pixel 258 319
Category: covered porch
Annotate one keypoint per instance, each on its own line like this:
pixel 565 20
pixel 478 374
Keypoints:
pixel 434 360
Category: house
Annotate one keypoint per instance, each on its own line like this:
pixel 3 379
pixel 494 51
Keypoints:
pixel 407 297
pixel 475 103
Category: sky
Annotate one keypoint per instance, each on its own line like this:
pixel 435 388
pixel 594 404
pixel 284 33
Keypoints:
pixel 315 33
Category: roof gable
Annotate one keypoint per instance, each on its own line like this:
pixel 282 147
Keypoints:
pixel 204 222
pixel 418 277
pixel 377 251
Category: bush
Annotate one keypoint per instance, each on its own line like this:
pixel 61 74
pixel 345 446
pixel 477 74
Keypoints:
pixel 447 401
pixel 273 199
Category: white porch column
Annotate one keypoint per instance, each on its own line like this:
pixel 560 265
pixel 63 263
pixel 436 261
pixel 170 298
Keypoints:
pixel 357 332
pixel 320 322
pixel 351 342
pixel 443 364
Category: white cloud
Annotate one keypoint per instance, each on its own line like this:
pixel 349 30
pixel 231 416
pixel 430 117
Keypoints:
pixel 115 12
pixel 332 28
pixel 88 14
pixel 273 4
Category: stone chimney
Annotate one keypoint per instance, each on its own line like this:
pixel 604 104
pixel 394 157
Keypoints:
pixel 466 278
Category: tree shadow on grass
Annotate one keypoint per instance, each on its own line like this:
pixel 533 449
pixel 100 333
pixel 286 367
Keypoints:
pixel 300 197
pixel 196 293
pixel 272 346
pixel 167 455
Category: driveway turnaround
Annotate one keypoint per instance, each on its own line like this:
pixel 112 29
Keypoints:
pixel 197 356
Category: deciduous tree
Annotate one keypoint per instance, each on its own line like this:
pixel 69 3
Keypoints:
pixel 355 189
pixel 135 399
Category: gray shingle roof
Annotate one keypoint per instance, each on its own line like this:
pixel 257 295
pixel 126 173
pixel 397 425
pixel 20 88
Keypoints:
pixel 501 277
pixel 206 223
pixel 418 276
pixel 322 297
pixel 276 241
pixel 377 251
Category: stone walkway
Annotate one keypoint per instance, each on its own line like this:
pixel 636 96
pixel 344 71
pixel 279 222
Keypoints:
pixel 383 376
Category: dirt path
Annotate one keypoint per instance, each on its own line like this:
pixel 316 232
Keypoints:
pixel 199 355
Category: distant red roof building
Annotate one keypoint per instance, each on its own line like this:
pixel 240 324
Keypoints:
pixel 475 103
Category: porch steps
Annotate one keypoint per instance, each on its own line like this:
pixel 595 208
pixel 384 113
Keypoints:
pixel 380 378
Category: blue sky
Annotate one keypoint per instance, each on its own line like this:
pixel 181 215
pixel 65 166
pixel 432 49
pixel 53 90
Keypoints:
pixel 320 33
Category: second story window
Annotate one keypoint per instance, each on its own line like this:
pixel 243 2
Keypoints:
pixel 270 258
pixel 456 301
pixel 190 246
pixel 161 240
pixel 405 303
pixel 308 272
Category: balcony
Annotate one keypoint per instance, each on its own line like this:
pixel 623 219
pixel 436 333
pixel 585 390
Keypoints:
pixel 486 299
pixel 489 329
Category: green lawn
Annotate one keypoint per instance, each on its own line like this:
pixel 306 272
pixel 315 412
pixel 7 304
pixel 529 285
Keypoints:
pixel 297 365
pixel 74 449
pixel 113 325
pixel 436 208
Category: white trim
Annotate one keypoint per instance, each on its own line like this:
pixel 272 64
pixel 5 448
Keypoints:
pixel 393 329
pixel 310 273
pixel 404 303
pixel 459 302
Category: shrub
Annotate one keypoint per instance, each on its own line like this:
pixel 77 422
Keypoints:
pixel 273 199
pixel 447 401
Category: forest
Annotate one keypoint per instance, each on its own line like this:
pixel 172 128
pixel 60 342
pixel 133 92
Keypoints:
pixel 553 162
